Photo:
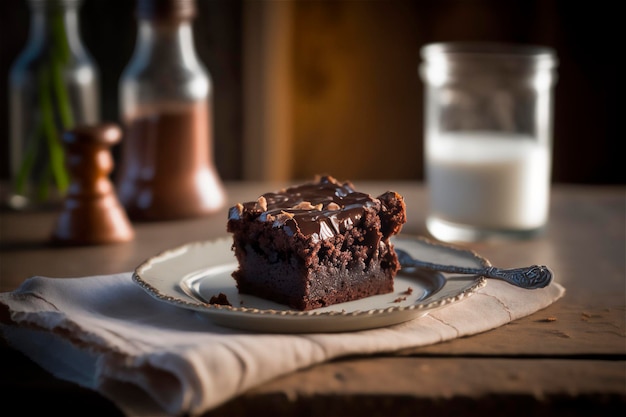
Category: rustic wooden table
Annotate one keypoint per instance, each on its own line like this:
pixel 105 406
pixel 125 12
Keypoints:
pixel 569 359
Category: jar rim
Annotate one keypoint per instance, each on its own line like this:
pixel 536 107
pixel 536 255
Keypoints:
pixel 488 50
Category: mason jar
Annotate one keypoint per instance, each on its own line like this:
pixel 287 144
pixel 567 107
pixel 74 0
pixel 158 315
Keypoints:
pixel 487 139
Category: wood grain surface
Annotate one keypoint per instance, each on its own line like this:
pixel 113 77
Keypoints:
pixel 569 359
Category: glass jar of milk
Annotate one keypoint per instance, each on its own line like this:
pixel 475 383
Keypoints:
pixel 487 139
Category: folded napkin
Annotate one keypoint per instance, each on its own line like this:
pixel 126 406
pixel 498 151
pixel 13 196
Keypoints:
pixel 107 334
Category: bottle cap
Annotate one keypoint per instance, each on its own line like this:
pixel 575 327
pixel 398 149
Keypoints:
pixel 166 9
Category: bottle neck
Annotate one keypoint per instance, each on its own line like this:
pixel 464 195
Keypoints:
pixel 167 43
pixel 55 26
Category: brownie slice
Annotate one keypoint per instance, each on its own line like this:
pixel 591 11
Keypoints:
pixel 316 244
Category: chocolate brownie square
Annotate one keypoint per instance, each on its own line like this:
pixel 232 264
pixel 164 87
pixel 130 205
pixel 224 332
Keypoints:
pixel 316 244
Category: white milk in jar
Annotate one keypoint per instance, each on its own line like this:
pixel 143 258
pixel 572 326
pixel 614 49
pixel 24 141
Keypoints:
pixel 488 180
pixel 488 138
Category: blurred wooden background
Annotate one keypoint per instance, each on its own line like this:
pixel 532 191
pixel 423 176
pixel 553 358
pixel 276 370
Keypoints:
pixel 305 87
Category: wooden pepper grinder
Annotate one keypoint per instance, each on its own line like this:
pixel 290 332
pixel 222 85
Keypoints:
pixel 91 214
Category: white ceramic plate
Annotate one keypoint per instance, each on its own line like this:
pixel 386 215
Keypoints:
pixel 188 276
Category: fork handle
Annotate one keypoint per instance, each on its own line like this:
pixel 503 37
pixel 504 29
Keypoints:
pixel 531 277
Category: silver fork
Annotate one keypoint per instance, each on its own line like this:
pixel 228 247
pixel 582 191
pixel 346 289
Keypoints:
pixel 531 277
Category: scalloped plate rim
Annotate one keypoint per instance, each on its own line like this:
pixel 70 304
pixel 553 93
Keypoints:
pixel 273 320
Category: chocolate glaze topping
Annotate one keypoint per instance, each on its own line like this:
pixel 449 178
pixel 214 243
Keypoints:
pixel 318 209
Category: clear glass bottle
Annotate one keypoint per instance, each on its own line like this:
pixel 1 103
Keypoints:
pixel 167 169
pixel 53 86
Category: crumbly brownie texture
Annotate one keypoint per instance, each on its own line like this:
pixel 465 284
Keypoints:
pixel 316 244
pixel 220 299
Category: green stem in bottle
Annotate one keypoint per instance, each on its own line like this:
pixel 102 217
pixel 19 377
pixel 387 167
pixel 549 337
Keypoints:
pixel 59 58
pixel 51 135
pixel 63 102
pixel 60 44
pixel 55 115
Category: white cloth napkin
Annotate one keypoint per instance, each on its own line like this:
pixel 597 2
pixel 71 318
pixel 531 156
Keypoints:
pixel 106 333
